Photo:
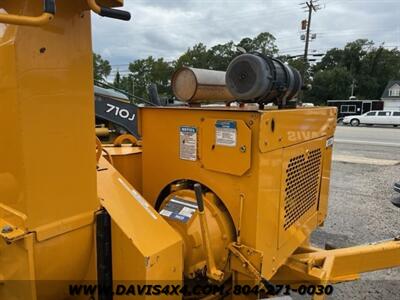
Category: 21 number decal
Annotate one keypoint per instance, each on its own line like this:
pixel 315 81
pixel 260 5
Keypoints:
pixel 121 112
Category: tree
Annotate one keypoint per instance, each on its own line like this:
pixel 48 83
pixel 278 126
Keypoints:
pixel 219 56
pixel 263 43
pixel 359 62
pixel 101 67
pixel 330 84
pixel 150 70
pixel 197 57
pixel 117 80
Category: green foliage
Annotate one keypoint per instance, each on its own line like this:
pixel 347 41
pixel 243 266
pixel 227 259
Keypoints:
pixel 151 70
pixel 101 67
pixel 263 43
pixel 117 80
pixel 369 66
pixel 331 84
pixel 219 56
pixel 197 57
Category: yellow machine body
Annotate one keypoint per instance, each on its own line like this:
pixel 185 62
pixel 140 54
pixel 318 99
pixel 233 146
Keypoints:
pixel 47 196
pixel 278 166
pixel 226 195
pixel 49 191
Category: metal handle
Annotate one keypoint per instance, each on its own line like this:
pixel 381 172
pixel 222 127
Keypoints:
pixel 212 270
pixel 109 12
pixel 49 11
pixel 199 197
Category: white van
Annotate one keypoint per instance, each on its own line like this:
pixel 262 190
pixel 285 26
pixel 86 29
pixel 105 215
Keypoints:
pixel 381 117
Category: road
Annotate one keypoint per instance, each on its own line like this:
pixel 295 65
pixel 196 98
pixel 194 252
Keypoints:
pixel 368 142
pixel 377 136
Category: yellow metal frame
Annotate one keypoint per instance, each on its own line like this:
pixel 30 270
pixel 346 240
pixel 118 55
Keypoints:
pixel 343 264
pixel 310 265
pixel 43 19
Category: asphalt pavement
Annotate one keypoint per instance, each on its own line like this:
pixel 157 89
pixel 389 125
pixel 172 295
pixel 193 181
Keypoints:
pixel 374 143
pixel 375 136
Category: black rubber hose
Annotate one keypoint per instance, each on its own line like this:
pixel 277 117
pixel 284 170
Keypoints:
pixel 115 14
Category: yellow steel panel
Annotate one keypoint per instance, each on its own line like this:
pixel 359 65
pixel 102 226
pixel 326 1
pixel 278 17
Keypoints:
pixel 259 188
pixel 47 103
pixel 128 161
pixel 234 159
pixel 48 165
pixel 161 162
pixel 301 179
pixel 145 246
pixel 283 128
pixel 62 260
pixel 17 270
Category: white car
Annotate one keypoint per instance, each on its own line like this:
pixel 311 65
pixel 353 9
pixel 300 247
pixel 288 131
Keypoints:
pixel 380 117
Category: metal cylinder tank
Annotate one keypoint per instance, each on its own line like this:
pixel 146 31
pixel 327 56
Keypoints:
pixel 199 85
pixel 259 78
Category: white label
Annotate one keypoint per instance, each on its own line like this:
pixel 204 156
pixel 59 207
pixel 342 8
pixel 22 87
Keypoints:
pixel 329 142
pixel 225 133
pixel 187 212
pixel 165 213
pixel 188 143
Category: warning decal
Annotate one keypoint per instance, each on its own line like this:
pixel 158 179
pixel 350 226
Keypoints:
pixel 225 133
pixel 179 209
pixel 188 143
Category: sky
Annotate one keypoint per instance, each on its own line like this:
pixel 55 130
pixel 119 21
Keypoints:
pixel 167 28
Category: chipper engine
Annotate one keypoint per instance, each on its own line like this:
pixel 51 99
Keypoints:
pixel 216 201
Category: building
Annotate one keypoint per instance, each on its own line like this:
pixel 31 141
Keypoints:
pixel 391 95
pixel 355 107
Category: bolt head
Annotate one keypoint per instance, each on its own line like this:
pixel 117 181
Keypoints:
pixel 6 229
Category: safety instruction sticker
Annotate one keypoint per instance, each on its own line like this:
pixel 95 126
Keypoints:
pixel 179 209
pixel 225 133
pixel 188 143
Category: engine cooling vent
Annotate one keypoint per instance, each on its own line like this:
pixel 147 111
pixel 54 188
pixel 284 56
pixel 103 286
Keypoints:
pixel 302 185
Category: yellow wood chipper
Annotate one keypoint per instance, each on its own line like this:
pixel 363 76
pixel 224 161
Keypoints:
pixel 215 201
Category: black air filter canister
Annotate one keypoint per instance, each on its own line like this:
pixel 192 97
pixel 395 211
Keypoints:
pixel 259 78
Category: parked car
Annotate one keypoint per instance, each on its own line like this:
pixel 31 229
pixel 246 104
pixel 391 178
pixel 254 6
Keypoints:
pixel 385 117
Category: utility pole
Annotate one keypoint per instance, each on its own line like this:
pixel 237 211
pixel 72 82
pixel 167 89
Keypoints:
pixel 311 6
pixel 352 87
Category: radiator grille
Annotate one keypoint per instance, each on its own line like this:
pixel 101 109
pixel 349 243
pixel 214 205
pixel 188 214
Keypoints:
pixel 302 185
